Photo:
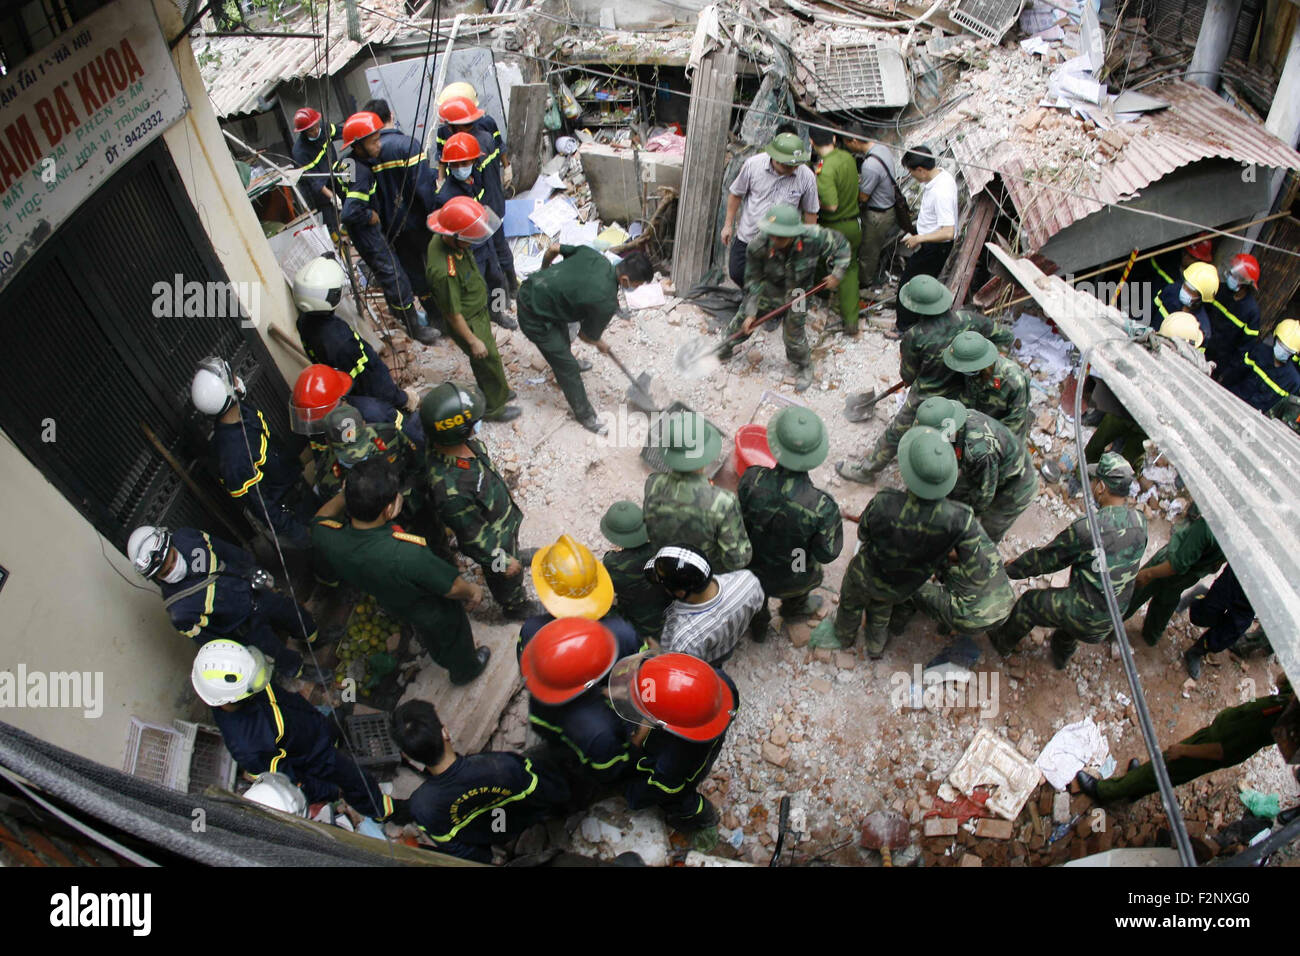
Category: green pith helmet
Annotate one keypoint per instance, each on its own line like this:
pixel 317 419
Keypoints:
pixel 926 295
pixel 789 149
pixel 797 438
pixel 970 352
pixel 450 411
pixel 936 412
pixel 1114 471
pixel 689 441
pixel 782 220
pixel 624 525
pixel 928 463
pixel 352 439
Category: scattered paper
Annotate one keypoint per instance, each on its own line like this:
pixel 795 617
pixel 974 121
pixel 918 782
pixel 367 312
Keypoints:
pixel 1041 348
pixel 647 296
pixel 551 215
pixel 1074 747
pixel 517 221
pixel 578 233
pixel 613 236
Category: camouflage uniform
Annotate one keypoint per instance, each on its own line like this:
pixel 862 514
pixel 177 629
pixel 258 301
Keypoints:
pixel 904 540
pixel 976 593
pixel 639 601
pixel 773 275
pixel 475 503
pixel 921 366
pixel 1193 553
pixel 1005 396
pixel 685 508
pixel 1078 610
pixel 997 477
pixel 796 524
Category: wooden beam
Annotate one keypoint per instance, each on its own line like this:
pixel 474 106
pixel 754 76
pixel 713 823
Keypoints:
pixel 524 132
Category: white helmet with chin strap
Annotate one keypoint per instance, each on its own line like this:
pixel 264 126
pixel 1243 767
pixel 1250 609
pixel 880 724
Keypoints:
pixel 215 386
pixel 148 548
pixel 226 671
pixel 318 286
pixel 277 791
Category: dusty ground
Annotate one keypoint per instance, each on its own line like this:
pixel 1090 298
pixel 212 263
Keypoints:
pixel 833 719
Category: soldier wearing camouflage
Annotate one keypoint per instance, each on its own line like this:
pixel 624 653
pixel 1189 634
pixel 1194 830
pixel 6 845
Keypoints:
pixel 797 525
pixel 905 537
pixel 996 475
pixel 975 594
pixel 682 507
pixel 1078 610
pixel 640 601
pixel 991 383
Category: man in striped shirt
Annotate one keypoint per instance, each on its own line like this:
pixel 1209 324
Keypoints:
pixel 709 614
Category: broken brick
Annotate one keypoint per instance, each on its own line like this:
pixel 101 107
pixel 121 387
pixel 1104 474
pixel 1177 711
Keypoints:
pixel 773 754
pixel 940 827
pixel 993 828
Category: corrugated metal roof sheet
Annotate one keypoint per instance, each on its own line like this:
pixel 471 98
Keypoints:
pixel 1197 125
pixel 238 71
pixel 1239 466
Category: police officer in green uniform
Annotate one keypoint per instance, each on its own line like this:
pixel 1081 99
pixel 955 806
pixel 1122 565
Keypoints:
pixel 583 288
pixel 992 383
pixel 365 548
pixel 837 194
pixel 1191 554
pixel 788 257
pixel 640 601
pixel 682 507
pixel 472 499
pixel 905 537
pixel 921 365
pixel 462 296
pixel 797 526
pixel 996 474
pixel 1234 736
pixel 1078 610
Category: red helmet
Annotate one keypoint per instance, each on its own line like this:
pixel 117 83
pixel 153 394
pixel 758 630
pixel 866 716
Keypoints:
pixel 1202 250
pixel 459 110
pixel 317 392
pixel 465 219
pixel 566 658
pixel 359 126
pixel 1245 266
pixel 674 692
pixel 305 118
pixel 460 148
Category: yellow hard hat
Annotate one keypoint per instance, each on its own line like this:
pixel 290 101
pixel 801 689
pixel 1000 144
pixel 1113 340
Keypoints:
pixel 1182 325
pixel 571 582
pixel 1204 278
pixel 1288 333
pixel 460 88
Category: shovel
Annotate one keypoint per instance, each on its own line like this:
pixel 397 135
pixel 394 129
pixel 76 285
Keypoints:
pixel 697 358
pixel 638 393
pixel 858 406
pixel 885 830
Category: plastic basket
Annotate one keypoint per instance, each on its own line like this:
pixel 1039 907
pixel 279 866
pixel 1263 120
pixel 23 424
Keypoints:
pixel 371 742
pixel 652 454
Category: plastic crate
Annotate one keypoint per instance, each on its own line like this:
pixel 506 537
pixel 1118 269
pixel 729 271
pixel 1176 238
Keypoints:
pixel 371 742
pixel 652 454
pixel 154 753
pixel 209 763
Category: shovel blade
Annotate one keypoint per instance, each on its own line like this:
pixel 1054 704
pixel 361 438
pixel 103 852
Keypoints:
pixel 858 407
pixel 697 358
pixel 639 398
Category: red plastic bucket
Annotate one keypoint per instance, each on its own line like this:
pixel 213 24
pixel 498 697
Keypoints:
pixel 751 448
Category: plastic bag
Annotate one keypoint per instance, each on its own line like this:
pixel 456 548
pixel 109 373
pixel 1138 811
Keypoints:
pixel 823 635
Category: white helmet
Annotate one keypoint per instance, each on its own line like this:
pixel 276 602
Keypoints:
pixel 276 791
pixel 318 286
pixel 147 548
pixel 226 671
pixel 215 387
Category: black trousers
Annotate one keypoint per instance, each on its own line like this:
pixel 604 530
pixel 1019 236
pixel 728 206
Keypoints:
pixel 1225 610
pixel 736 262
pixel 927 260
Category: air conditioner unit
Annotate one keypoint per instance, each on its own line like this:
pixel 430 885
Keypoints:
pixel 861 76
pixel 990 19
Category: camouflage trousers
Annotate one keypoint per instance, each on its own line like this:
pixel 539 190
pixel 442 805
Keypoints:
pixel 794 333
pixel 864 593
pixel 1009 504
pixel 1075 616
pixel 792 593
pixel 886 446
pixel 965 614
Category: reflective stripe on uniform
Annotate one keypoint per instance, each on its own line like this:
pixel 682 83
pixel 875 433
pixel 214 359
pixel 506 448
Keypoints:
pixel 362 359
pixel 1250 362
pixel 363 197
pixel 1233 319
pixel 257 465
pixel 532 718
pixel 209 596
pixel 451 834
pixel 488 160
pixel 1161 272
pixel 279 727
pixel 398 163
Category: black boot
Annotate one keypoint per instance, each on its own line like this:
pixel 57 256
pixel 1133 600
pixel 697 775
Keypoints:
pixel 1193 658
pixel 481 656
pixel 423 333
pixel 1088 784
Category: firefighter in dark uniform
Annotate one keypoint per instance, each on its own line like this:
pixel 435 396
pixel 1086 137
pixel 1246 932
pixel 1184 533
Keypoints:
pixel 313 151
pixel 467 804
pixel 320 389
pixel 1234 317
pixel 268 729
pixel 250 463
pixel 1272 374
pixel 463 179
pixel 462 115
pixel 565 663
pixel 472 498
pixel 484 123
pixel 404 190
pixel 368 550
pixel 328 340
pixel 1193 293
pixel 213 589
pixel 682 707
pixel 640 601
